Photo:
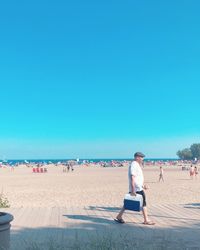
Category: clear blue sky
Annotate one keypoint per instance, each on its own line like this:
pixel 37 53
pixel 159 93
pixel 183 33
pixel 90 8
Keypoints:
pixel 99 78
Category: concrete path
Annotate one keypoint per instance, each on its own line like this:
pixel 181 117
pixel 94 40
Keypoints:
pixel 174 224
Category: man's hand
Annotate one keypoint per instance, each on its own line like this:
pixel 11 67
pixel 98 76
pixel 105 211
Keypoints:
pixel 133 194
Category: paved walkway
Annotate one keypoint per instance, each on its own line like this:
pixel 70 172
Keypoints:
pixel 174 223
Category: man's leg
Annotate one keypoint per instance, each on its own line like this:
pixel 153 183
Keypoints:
pixel 144 210
pixel 145 214
pixel 119 216
pixel 146 219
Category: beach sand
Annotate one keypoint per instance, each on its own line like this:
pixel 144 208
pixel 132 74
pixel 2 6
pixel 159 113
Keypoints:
pixel 93 186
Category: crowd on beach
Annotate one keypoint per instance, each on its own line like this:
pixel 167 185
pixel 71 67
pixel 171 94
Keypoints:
pixel 69 164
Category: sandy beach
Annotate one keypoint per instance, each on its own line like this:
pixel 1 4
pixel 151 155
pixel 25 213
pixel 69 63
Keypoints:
pixel 93 186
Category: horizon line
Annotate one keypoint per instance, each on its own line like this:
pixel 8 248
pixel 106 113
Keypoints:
pixel 114 158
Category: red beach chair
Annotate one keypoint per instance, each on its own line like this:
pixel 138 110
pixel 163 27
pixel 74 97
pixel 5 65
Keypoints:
pixel 37 170
pixel 41 170
pixel 34 170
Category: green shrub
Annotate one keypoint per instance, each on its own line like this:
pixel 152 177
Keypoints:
pixel 4 203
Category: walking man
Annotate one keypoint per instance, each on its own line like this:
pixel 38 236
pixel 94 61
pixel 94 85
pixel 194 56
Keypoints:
pixel 136 186
pixel 161 175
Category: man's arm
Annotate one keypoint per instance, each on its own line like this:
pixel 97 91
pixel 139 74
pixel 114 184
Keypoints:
pixel 133 185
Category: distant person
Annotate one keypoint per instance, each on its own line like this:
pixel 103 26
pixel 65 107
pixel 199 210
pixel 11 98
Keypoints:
pixel 191 171
pixel 195 172
pixel 161 175
pixel 65 167
pixel 12 167
pixel 136 186
pixel 68 167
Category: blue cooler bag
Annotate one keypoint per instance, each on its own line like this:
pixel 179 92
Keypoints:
pixel 133 203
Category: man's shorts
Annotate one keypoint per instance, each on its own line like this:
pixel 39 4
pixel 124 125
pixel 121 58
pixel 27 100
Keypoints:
pixel 143 196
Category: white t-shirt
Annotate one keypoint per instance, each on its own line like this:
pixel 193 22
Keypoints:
pixel 136 171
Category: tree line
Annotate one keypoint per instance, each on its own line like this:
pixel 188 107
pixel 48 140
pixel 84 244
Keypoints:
pixel 190 153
